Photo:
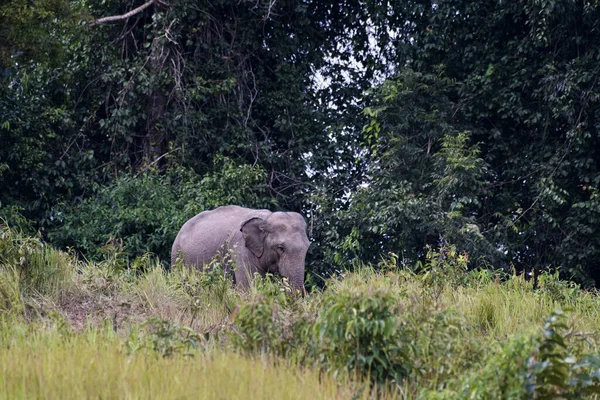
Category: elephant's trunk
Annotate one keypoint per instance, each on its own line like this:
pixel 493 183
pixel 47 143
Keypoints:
pixel 297 283
pixel 294 272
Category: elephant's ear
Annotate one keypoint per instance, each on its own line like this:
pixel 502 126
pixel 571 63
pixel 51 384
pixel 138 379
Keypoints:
pixel 254 234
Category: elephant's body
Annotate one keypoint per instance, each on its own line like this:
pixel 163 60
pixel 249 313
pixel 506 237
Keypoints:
pixel 257 241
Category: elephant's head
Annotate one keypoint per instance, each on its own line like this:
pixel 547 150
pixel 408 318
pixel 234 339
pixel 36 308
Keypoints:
pixel 280 243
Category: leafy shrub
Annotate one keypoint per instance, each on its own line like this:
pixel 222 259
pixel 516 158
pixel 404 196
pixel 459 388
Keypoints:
pixel 442 268
pixel 500 375
pixel 272 321
pixel 564 292
pixel 360 332
pixel 147 211
pixel 441 344
pixel 374 324
pixel 529 367
pixel 259 327
pixel 11 215
pixel 554 372
pixel 208 290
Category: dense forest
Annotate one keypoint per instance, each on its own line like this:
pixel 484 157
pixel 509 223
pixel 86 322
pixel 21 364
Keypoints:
pixel 394 127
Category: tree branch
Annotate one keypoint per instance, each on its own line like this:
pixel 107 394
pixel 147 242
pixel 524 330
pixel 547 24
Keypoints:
pixel 124 16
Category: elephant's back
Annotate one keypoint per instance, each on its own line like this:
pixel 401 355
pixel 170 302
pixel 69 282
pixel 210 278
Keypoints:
pixel 211 231
pixel 224 217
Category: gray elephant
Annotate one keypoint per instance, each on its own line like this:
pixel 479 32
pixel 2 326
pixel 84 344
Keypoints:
pixel 256 240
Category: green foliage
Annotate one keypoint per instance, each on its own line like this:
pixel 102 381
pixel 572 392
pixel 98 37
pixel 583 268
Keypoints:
pixel 260 327
pixel 564 292
pixel 500 375
pixel 554 372
pixel 46 98
pixel 359 332
pixel 272 321
pixel 404 332
pixel 442 268
pixel 523 88
pixel 530 367
pixel 13 217
pixel 188 80
pixel 427 180
pixel 210 289
pixel 32 30
pixel 32 265
pixel 165 338
pixel 145 212
pixel 483 140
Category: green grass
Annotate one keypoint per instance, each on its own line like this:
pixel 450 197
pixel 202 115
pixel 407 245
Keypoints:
pixel 121 329
pixel 95 364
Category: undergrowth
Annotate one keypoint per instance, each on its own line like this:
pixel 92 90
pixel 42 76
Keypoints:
pixel 436 332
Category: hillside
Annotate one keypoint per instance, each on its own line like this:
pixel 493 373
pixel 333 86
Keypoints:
pixel 118 329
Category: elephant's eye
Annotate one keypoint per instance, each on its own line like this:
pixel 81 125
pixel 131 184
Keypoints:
pixel 280 249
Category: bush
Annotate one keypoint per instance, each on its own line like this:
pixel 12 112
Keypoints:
pixel 499 376
pixel 553 371
pixel 545 367
pixel 165 338
pixel 273 321
pixel 443 267
pixel 209 293
pixel 360 332
pixel 565 292
pixel 11 215
pixel 147 211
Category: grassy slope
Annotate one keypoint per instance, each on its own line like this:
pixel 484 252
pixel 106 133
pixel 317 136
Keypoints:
pixel 70 329
pixel 94 365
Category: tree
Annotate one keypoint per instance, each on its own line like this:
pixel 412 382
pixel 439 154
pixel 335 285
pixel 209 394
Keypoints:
pixel 523 84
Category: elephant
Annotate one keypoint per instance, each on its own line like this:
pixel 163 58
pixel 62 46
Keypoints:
pixel 257 241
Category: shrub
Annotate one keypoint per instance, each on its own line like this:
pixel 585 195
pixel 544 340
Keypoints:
pixel 259 327
pixel 147 211
pixel 554 372
pixel 273 320
pixel 564 292
pixel 442 344
pixel 209 293
pixel 500 375
pixel 11 215
pixel 360 332
pixel 543 367
pixel 442 268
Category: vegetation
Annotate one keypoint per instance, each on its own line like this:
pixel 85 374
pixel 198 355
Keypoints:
pixel 391 127
pixel 444 154
pixel 70 327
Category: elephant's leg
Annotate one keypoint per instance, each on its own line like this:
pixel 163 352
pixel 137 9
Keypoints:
pixel 244 271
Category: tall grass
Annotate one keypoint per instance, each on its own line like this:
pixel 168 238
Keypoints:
pixel 94 364
pixel 127 329
pixel 30 272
